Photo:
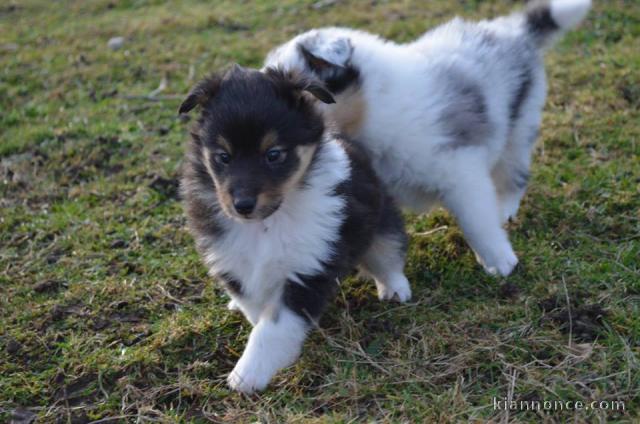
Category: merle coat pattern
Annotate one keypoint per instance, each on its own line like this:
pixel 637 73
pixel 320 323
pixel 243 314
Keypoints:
pixel 450 118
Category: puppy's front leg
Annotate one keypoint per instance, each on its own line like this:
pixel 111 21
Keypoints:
pixel 274 343
pixel 276 340
pixel 473 201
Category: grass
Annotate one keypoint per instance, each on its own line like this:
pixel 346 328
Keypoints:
pixel 107 312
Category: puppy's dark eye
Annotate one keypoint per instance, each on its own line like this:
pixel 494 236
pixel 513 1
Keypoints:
pixel 275 156
pixel 223 158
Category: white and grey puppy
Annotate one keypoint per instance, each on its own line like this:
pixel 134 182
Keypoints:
pixel 450 118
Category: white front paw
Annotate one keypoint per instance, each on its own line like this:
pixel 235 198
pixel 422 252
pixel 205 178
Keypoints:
pixel 397 288
pixel 248 377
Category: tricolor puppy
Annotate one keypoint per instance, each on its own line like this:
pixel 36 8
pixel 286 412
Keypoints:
pixel 450 118
pixel 281 210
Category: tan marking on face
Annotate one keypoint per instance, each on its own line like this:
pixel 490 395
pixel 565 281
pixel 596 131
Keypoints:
pixel 269 140
pixel 206 154
pixel 348 112
pixel 305 154
pixel 222 190
pixel 222 142
pixel 226 201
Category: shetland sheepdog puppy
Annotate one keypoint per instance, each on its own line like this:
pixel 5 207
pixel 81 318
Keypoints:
pixel 281 209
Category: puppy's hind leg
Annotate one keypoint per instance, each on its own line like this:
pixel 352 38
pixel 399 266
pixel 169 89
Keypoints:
pixel 384 260
pixel 511 173
pixel 511 182
pixel 473 201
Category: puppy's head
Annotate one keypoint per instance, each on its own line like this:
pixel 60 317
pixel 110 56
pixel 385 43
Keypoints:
pixel 324 54
pixel 256 136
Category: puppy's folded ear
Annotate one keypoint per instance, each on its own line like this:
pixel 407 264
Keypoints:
pixel 201 93
pixel 319 92
pixel 329 59
pixel 322 51
pixel 293 84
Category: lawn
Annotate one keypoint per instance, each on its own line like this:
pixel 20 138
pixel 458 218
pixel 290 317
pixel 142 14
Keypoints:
pixel 106 312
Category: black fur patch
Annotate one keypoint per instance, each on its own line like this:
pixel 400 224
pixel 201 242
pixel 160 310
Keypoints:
pixel 310 298
pixel 526 80
pixel 336 78
pixel 369 211
pixel 465 119
pixel 231 284
pixel 521 178
pixel 365 205
pixel 392 224
pixel 200 94
pixel 539 20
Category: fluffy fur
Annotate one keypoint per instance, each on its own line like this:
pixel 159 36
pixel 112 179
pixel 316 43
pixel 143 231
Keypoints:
pixel 450 118
pixel 324 212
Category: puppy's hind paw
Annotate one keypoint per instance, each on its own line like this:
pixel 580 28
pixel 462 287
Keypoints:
pixel 233 305
pixel 510 206
pixel 502 265
pixel 396 289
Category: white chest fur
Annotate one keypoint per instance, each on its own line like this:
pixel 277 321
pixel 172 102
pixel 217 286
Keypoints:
pixel 296 239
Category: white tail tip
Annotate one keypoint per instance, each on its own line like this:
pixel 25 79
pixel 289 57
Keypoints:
pixel 569 13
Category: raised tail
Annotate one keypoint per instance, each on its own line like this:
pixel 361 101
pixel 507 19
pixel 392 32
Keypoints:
pixel 546 20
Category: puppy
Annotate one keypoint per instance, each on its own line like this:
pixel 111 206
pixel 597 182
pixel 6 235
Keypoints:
pixel 450 118
pixel 281 210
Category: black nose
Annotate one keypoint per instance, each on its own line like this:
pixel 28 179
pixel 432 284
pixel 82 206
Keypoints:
pixel 244 205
